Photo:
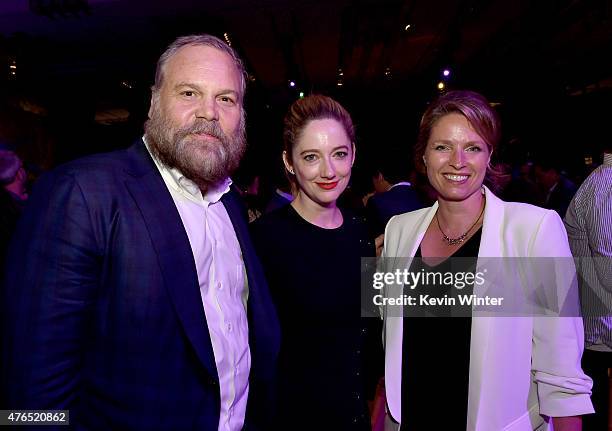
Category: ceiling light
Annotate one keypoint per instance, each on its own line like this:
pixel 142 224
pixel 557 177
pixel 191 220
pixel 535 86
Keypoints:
pixel 227 39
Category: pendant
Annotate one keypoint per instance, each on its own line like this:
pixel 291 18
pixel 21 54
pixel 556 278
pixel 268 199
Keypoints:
pixel 454 241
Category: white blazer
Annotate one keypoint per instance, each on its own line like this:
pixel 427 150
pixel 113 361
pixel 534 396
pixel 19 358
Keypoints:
pixel 523 370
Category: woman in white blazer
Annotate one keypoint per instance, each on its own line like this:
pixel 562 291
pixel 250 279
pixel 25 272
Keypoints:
pixel 523 373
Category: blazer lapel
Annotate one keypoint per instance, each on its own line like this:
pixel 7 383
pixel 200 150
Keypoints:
pixel 491 239
pixel 174 254
pixel 490 246
pixel 410 248
pixel 409 242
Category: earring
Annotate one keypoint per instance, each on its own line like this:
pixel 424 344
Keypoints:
pixel 291 171
pixel 424 161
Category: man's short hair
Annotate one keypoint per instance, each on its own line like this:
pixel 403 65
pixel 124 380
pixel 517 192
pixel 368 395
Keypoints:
pixel 394 169
pixel 10 164
pixel 199 40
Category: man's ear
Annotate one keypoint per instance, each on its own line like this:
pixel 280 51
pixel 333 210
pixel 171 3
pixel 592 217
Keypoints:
pixel 153 102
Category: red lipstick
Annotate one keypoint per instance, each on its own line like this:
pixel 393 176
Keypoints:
pixel 328 186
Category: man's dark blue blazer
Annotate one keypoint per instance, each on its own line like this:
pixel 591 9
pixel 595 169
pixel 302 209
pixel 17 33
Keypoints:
pixel 101 306
pixel 382 206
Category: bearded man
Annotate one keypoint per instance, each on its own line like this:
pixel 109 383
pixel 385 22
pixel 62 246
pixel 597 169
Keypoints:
pixel 133 297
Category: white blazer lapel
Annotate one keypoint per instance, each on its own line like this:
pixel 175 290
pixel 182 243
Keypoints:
pixel 409 238
pixel 490 246
pixel 409 248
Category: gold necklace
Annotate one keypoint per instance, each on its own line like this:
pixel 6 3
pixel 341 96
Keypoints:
pixel 460 238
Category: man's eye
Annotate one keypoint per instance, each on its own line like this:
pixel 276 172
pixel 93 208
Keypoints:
pixel 226 99
pixel 310 157
pixel 188 93
pixel 341 154
pixel 474 149
pixel 440 147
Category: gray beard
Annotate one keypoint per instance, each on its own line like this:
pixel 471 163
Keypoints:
pixel 204 163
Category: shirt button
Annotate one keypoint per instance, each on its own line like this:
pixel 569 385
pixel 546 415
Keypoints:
pixel 229 327
pixel 219 285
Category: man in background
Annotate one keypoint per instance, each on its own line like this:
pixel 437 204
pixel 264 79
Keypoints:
pixel 589 227
pixel 556 189
pixel 13 195
pixel 393 195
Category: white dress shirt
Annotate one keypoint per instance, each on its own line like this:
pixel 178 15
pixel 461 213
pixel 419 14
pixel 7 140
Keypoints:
pixel 223 287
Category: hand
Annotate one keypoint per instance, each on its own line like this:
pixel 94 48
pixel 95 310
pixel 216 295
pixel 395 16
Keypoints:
pixel 379 242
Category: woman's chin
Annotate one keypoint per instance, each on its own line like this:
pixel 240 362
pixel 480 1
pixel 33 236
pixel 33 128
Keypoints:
pixel 456 195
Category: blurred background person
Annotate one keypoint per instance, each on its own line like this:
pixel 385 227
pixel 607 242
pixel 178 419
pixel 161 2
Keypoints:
pixel 281 196
pixel 311 252
pixel 588 223
pixel 557 190
pixel 249 186
pixel 487 373
pixel 13 195
pixel 13 176
pixel 523 186
pixel 393 195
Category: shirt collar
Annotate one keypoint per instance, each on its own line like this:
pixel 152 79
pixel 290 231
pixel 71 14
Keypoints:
pixel 401 183
pixel 287 196
pixel 175 179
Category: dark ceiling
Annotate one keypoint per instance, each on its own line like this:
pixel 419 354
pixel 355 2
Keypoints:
pixel 97 57
pixel 493 43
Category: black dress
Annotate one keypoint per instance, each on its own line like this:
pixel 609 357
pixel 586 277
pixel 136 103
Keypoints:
pixel 436 352
pixel 314 278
